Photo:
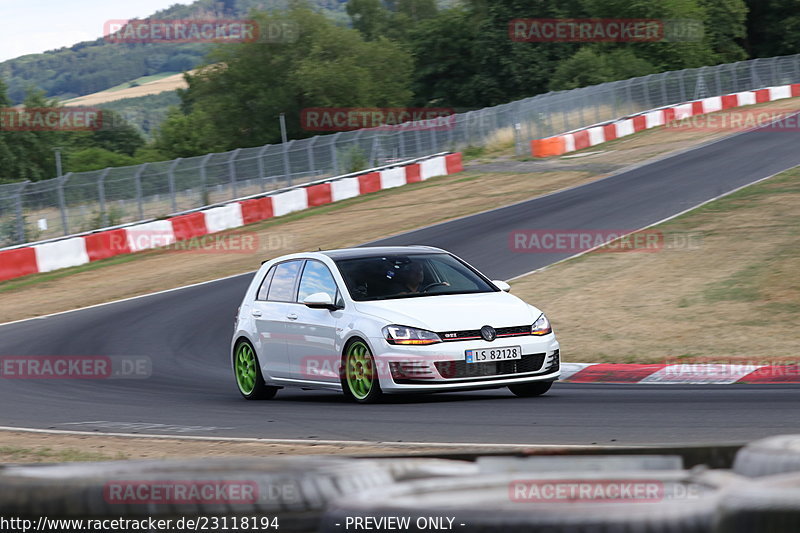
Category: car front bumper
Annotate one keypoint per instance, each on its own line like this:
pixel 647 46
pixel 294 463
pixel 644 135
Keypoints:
pixel 443 366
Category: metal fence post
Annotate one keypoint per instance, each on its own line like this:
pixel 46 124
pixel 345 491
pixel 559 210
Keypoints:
pixel 62 203
pixel 204 197
pixel 629 95
pixel 138 184
pixel 334 154
pixel 101 196
pixel 452 122
pixel 373 150
pixel 612 95
pixel 232 172
pixel 287 169
pixel 700 88
pixel 20 217
pixel 171 178
pixel 260 163
pixel 754 78
pixel 401 143
pixel 311 164
pixel 775 77
pixel 101 193
pixel 681 84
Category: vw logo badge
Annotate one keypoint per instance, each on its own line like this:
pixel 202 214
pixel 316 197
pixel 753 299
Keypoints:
pixel 488 333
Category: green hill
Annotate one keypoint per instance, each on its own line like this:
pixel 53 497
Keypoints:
pixel 93 66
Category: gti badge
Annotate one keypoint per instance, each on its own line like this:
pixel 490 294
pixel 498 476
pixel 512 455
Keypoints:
pixel 488 333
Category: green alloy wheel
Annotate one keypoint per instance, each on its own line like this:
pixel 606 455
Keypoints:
pixel 248 373
pixel 360 380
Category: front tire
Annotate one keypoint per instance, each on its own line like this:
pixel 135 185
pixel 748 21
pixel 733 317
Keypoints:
pixel 360 381
pixel 247 371
pixel 529 390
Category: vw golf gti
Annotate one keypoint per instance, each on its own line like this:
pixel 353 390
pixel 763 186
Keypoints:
pixel 369 321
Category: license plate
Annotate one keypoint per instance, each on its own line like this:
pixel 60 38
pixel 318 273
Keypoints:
pixel 487 355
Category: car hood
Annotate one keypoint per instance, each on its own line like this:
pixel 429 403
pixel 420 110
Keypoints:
pixel 453 312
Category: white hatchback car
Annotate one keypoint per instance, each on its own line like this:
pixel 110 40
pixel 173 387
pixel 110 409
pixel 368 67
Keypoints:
pixel 368 321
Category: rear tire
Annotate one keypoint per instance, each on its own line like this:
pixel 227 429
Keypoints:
pixel 247 372
pixel 359 376
pixel 529 390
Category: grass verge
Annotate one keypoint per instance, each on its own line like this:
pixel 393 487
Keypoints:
pixel 724 287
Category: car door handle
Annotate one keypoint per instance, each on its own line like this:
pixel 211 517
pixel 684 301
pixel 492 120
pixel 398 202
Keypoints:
pixel 291 316
pixel 256 312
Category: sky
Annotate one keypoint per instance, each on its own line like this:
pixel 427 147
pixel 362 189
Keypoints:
pixel 32 26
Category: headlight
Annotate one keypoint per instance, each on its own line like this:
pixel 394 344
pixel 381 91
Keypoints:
pixel 405 335
pixel 541 326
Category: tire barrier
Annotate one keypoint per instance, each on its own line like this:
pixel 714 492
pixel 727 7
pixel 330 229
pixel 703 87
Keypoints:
pixel 769 504
pixel 766 457
pixel 295 490
pixel 548 494
pixel 530 502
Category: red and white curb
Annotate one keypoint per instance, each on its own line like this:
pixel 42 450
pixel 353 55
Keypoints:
pixel 681 374
pixel 608 131
pixel 81 249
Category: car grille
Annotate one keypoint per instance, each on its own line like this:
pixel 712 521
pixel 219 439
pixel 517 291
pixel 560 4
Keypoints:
pixel 472 334
pixel 462 369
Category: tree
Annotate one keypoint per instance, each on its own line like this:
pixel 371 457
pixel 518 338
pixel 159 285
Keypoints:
pixel 393 22
pixel 235 102
pixel 369 17
pixel 96 158
pixel 592 66
pixel 28 155
pixel 773 27
pixel 725 24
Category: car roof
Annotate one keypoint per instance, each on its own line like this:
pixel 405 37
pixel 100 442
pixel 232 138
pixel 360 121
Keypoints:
pixel 377 251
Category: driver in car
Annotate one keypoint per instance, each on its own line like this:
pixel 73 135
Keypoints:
pixel 411 277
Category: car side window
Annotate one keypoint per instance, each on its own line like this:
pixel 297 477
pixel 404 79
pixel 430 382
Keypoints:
pixel 281 289
pixel 264 288
pixel 316 278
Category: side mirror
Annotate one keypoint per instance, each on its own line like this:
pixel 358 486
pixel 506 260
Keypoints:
pixel 502 285
pixel 320 300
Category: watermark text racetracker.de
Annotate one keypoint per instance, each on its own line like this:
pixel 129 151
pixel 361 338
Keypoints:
pixel 539 30
pixel 75 367
pixel 211 30
pixel 235 242
pixel 50 119
pixel 740 120
pixel 573 241
pixel 553 491
pixel 781 368
pixel 381 118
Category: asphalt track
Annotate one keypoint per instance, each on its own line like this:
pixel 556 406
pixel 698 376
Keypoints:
pixel 186 334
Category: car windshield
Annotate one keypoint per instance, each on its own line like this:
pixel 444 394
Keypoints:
pixel 407 276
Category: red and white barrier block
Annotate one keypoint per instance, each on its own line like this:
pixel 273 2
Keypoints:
pixel 681 374
pixel 82 249
pixel 600 133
